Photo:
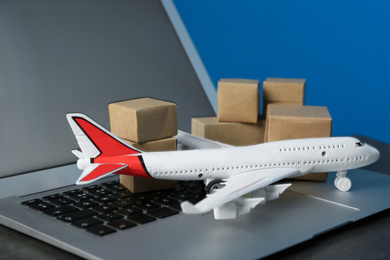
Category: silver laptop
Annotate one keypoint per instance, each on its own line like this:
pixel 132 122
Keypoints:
pixel 78 56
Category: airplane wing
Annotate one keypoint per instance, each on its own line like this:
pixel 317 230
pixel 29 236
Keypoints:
pixel 188 142
pixel 237 186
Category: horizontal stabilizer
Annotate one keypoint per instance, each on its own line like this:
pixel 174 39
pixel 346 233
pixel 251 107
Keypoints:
pixel 94 172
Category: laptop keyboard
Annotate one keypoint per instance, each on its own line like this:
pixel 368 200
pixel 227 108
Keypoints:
pixel 109 207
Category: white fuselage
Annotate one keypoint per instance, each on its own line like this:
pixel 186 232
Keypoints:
pixel 306 155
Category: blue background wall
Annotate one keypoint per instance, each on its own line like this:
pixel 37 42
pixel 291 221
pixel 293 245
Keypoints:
pixel 342 48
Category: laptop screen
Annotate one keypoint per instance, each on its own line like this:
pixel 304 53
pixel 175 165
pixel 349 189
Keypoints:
pixel 78 56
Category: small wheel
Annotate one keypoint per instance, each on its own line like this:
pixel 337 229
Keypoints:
pixel 336 181
pixel 213 186
pixel 344 184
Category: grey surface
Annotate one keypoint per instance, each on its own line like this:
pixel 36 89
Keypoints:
pixel 78 56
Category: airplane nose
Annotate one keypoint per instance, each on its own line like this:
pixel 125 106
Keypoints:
pixel 374 153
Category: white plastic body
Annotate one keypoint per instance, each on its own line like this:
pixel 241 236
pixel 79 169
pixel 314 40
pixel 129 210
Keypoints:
pixel 305 155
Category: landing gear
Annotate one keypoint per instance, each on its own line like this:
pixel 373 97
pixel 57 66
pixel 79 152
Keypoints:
pixel 214 186
pixel 342 182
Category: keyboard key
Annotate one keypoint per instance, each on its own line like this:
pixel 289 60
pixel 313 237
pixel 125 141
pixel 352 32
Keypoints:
pixel 41 205
pixel 59 200
pixel 114 186
pixel 182 196
pixel 98 191
pixel 85 204
pixel 141 218
pixel 165 201
pixel 163 212
pixel 176 206
pixel 101 230
pixel 80 196
pixel 28 202
pixel 147 206
pixel 105 208
pixel 104 199
pixel 129 211
pixel 110 216
pixel 122 194
pixel 72 192
pixel 54 212
pixel 122 224
pixel 70 217
pixel 86 223
pixel 52 197
pixel 124 203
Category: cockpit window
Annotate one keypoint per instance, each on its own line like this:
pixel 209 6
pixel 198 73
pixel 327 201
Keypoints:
pixel 359 144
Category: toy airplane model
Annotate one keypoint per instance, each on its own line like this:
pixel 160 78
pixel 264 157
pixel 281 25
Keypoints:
pixel 230 173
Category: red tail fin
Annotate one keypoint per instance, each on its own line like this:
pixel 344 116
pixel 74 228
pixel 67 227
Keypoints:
pixel 96 141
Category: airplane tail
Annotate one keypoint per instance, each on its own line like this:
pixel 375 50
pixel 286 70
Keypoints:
pixel 94 142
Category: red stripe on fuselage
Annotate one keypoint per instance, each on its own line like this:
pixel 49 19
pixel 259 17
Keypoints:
pixel 135 164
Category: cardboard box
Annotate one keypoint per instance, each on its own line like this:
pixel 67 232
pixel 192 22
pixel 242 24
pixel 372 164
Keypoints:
pixel 238 100
pixel 266 103
pixel 296 122
pixel 283 91
pixel 233 133
pixel 139 184
pixel 143 120
pixel 166 144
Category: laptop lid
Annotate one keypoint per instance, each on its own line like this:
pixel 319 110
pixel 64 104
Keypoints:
pixel 78 56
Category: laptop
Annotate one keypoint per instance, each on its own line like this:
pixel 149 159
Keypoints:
pixel 78 56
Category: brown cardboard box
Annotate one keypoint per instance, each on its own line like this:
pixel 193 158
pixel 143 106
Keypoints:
pixel 166 144
pixel 139 184
pixel 294 122
pixel 283 91
pixel 143 120
pixel 266 103
pixel 238 100
pixel 233 133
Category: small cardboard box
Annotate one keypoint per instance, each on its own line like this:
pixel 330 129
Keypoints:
pixel 166 144
pixel 233 133
pixel 139 184
pixel 143 120
pixel 283 91
pixel 267 103
pixel 238 100
pixel 295 122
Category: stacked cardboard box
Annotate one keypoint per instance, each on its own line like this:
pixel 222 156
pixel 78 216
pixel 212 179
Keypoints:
pixel 238 100
pixel 148 125
pixel 233 133
pixel 238 120
pixel 283 91
pixel 294 122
